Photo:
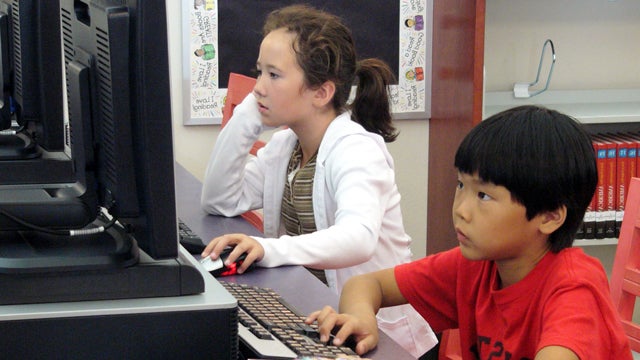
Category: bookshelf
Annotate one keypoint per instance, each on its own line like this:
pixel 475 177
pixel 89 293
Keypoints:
pixel 594 242
pixel 600 106
pixel 482 47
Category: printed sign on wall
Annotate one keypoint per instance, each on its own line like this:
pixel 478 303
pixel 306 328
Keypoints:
pixel 222 36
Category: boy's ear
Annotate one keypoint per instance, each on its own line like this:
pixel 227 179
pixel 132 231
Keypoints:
pixel 552 220
pixel 324 93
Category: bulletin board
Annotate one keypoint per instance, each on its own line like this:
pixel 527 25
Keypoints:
pixel 222 36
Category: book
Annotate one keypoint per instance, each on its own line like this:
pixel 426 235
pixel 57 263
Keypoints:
pixel 609 211
pixel 596 215
pixel 621 176
pixel 633 159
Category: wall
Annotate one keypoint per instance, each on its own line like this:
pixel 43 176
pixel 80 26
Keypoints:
pixel 193 144
pixel 596 43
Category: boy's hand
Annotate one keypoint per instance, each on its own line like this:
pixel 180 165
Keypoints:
pixel 363 328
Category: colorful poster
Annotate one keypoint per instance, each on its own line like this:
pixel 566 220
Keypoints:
pixel 204 94
pixel 206 97
pixel 415 40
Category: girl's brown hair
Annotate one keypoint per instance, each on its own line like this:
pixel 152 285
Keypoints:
pixel 325 51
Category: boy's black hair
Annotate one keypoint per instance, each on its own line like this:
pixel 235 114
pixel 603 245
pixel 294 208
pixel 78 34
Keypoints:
pixel 543 157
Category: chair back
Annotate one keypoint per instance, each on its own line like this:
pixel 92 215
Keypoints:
pixel 450 345
pixel 625 275
pixel 238 88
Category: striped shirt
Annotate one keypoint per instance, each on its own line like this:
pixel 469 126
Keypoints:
pixel 297 200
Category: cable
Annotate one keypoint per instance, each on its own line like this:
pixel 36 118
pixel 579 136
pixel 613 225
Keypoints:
pixel 13 131
pixel 70 232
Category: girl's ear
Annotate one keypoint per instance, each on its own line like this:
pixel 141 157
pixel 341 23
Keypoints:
pixel 324 93
pixel 552 220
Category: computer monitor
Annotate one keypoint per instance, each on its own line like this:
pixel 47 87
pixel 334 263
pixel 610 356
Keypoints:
pixel 117 96
pixel 31 78
pixel 31 116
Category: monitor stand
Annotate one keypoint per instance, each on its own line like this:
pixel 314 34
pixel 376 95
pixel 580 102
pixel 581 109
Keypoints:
pixel 42 268
pixel 31 252
pixel 18 147
pixel 24 161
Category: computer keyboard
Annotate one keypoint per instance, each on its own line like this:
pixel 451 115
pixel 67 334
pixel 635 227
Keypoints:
pixel 272 329
pixel 188 239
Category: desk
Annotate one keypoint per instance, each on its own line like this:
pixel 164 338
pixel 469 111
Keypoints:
pixel 301 289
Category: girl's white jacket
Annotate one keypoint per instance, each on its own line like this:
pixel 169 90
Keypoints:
pixel 356 205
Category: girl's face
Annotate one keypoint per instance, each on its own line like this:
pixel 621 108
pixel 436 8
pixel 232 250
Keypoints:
pixel 283 98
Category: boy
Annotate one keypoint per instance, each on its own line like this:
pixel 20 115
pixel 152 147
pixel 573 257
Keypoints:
pixel 514 286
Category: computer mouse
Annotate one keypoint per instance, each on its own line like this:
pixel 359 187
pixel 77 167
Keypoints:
pixel 218 268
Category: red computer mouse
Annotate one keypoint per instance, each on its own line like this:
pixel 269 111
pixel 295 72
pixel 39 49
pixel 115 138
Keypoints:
pixel 218 268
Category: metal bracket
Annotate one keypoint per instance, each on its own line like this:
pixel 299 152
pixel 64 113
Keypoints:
pixel 521 90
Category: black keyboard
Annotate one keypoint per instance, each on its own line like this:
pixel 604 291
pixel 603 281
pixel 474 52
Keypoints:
pixel 271 328
pixel 188 239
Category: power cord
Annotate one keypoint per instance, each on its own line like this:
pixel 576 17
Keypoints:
pixel 69 232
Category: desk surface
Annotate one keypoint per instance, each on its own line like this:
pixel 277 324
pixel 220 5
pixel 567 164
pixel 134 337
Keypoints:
pixel 301 289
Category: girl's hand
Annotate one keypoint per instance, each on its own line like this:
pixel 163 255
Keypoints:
pixel 241 243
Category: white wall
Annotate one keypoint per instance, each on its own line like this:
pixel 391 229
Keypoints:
pixel 597 43
pixel 193 144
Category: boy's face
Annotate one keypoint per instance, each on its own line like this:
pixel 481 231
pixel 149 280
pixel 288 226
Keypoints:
pixel 489 224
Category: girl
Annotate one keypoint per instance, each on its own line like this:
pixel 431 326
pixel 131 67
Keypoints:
pixel 326 183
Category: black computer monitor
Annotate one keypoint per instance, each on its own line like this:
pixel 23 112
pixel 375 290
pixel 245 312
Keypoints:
pixel 117 91
pixel 37 180
pixel 117 79
pixel 31 114
pixel 31 78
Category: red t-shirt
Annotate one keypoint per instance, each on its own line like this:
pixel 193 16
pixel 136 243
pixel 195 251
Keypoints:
pixel 564 301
